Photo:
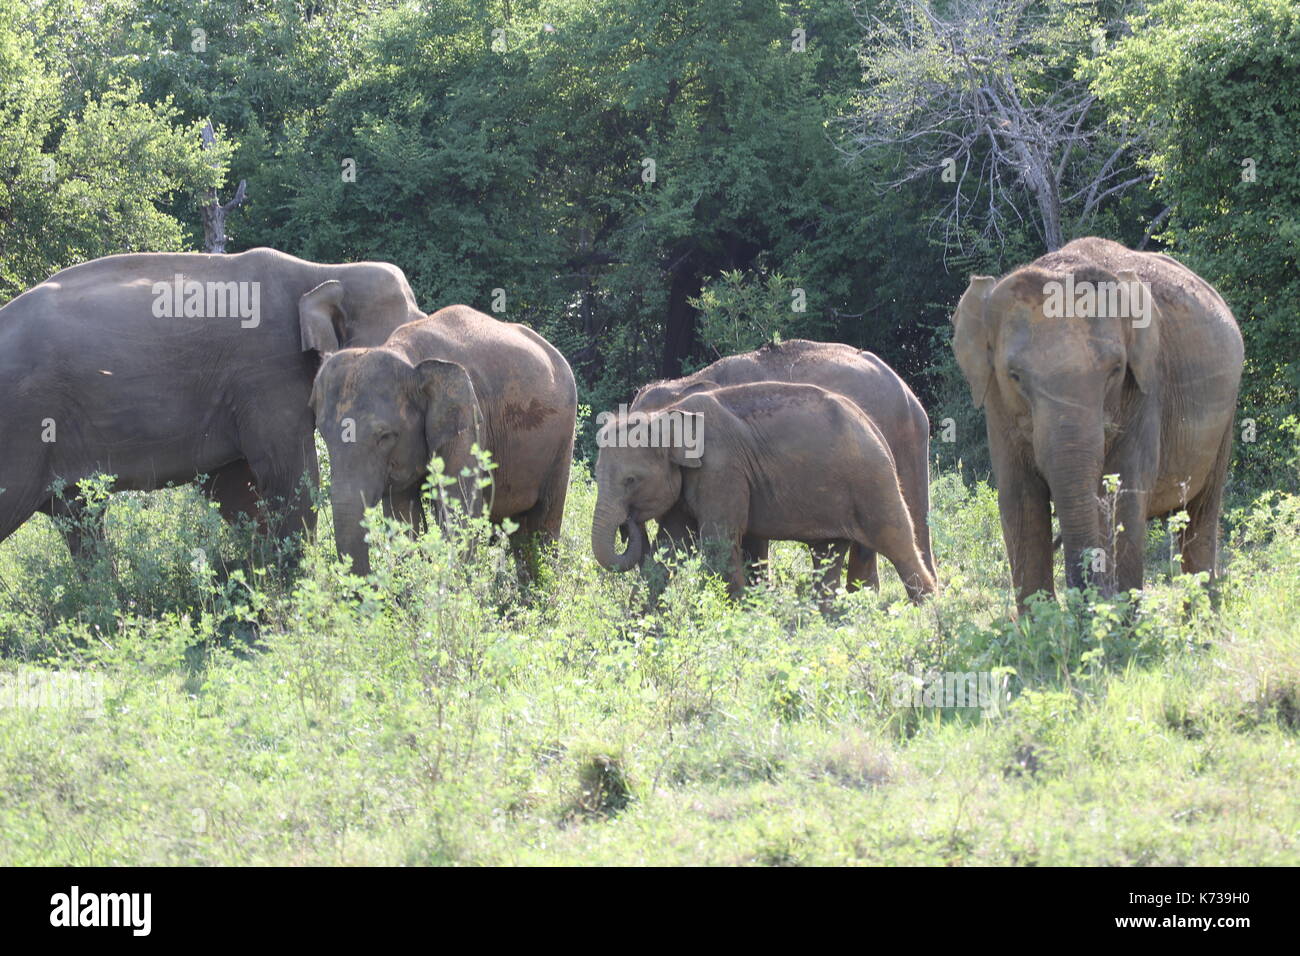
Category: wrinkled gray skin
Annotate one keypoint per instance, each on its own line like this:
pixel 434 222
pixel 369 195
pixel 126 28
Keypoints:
pixel 780 461
pixel 865 380
pixel 1069 400
pixel 436 387
pixel 157 400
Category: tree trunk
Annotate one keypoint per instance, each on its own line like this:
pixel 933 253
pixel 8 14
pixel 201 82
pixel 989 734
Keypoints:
pixel 214 212
pixel 679 331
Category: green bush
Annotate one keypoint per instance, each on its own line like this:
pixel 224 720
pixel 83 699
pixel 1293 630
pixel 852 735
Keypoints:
pixel 443 711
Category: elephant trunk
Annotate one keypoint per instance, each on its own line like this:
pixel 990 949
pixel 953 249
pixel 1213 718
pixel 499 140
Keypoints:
pixel 1075 477
pixel 604 529
pixel 349 535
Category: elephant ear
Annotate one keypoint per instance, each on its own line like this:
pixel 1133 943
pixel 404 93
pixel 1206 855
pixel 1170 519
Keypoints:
pixel 689 454
pixel 1142 333
pixel 321 318
pixel 971 338
pixel 453 419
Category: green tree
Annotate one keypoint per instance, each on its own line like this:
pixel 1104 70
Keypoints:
pixel 1214 85
pixel 90 178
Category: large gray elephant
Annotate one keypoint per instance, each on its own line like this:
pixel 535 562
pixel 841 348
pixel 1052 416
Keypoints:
pixel 858 375
pixel 1097 360
pixel 772 460
pixel 437 387
pixel 160 367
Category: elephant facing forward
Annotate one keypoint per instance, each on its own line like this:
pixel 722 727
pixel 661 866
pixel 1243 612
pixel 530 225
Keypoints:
pixel 1097 360
pixel 437 387
pixel 775 461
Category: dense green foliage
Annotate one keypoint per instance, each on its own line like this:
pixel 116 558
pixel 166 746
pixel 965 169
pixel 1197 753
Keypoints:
pixel 654 183
pixel 1216 83
pixel 158 709
pixel 85 173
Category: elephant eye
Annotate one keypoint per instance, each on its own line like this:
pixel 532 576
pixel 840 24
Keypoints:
pixel 385 436
pixel 1015 376
pixel 629 481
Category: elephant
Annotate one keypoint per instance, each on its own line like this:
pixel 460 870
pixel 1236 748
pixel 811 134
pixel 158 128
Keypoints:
pixel 437 386
pixel 775 460
pixel 1098 360
pixel 157 368
pixel 861 377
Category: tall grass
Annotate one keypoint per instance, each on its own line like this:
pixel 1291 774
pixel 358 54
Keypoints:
pixel 173 701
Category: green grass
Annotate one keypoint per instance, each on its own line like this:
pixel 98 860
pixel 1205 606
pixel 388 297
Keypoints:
pixel 158 709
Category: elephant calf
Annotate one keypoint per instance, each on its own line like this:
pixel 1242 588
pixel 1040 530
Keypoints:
pixel 859 376
pixel 774 460
pixel 436 387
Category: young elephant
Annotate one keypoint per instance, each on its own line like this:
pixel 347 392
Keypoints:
pixel 859 376
pixel 436 387
pixel 775 461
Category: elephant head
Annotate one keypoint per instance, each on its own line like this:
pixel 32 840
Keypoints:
pixel 382 419
pixel 636 482
pixel 1060 359
pixel 658 395
pixel 362 308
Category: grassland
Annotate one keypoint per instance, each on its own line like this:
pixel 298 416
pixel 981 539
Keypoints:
pixel 174 703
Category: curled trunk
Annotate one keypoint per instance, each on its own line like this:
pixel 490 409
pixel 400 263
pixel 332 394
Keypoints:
pixel 604 532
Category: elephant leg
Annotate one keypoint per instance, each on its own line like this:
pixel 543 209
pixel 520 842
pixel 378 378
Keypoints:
pixel 464 468
pixel 525 547
pixel 1024 505
pixel 863 568
pixel 540 526
pixel 1027 531
pixel 914 479
pixel 721 534
pixel 828 563
pixel 1130 540
pixel 285 473
pixel 405 506
pixel 24 479
pixel 755 550
pixel 527 542
pixel 1135 458
pixel 675 537
pixel 554 494
pixel 898 544
pixel 81 531
pixel 1199 541
pixel 676 533
pixel 721 545
pixel 233 489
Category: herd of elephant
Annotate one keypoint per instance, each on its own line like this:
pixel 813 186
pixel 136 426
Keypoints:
pixel 805 441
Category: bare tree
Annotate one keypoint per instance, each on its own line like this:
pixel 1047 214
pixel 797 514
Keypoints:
pixel 214 212
pixel 989 96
